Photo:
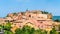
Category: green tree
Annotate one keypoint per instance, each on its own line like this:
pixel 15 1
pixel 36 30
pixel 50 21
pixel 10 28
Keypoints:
pixel 53 31
pixel 57 20
pixel 26 29
pixel 32 30
pixel 7 32
pixel 44 12
pixel 36 32
pixel 15 14
pixel 59 28
pixel 18 31
pixel 44 32
pixel 7 26
pixel 1 27
pixel 29 30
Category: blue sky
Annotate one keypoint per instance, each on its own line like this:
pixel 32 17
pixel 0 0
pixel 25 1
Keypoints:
pixel 9 6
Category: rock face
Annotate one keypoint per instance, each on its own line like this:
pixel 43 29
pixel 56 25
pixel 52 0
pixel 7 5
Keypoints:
pixel 32 18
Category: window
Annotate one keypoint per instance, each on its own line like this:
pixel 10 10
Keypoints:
pixel 23 18
pixel 38 17
pixel 20 22
pixel 6 20
pixel 41 22
pixel 14 24
pixel 12 20
pixel 29 15
pixel 19 26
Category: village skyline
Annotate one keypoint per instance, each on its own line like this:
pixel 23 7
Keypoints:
pixel 10 6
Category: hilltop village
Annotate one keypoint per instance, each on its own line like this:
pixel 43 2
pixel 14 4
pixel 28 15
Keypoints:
pixel 34 18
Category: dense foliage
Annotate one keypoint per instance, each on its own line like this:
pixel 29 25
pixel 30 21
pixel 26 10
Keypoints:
pixel 29 30
pixel 25 30
pixel 57 20
pixel 53 31
pixel 6 28
pixel 45 12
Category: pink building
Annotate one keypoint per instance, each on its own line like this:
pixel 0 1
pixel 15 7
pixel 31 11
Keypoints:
pixel 33 18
